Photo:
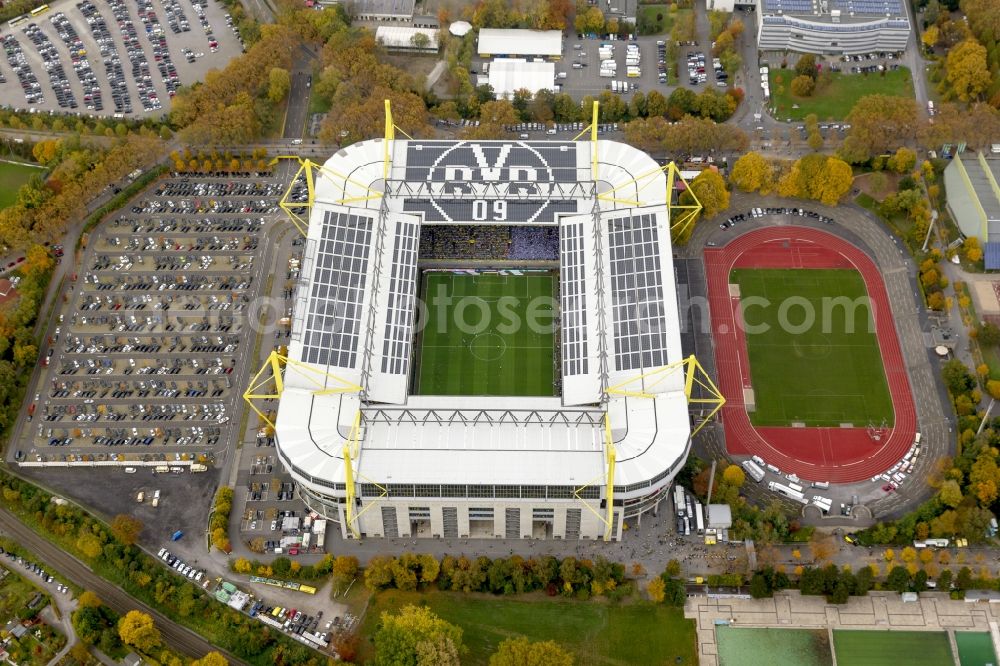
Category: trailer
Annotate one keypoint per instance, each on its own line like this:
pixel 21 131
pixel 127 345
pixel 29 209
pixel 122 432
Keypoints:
pixel 679 501
pixel 753 469
pixel 699 517
pixel 782 489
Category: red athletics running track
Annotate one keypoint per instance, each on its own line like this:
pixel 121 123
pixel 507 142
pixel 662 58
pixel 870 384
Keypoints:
pixel 840 455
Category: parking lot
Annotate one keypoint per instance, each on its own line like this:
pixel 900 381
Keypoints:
pixel 114 58
pixel 147 358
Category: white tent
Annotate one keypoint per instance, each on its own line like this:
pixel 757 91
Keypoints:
pixel 510 74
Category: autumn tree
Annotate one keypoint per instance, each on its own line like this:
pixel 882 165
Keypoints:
pixel 137 629
pixel 803 86
pixel 734 476
pixel 903 160
pixel 879 123
pixel 656 589
pixel 966 70
pixel 806 66
pixel 950 493
pixel 279 82
pixel 825 179
pixel 211 659
pixel 710 190
pixel 752 172
pixel 126 528
pixel 415 635
pixel 522 652
pixel 589 21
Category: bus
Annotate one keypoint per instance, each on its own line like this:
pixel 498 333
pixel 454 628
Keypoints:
pixel 38 11
pixel 699 517
pixel 786 491
pixel 17 20
pixel 753 469
pixel 679 502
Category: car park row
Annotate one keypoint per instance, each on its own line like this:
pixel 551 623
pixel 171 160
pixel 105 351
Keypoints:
pixel 141 365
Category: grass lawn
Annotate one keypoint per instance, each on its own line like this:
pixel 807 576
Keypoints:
pixel 595 632
pixel 773 647
pixel 822 373
pixel 647 17
pixel 889 648
pixel 478 340
pixel 837 99
pixel 12 177
pixel 15 593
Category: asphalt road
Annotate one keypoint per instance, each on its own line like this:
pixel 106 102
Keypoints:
pixel 178 638
pixel 298 96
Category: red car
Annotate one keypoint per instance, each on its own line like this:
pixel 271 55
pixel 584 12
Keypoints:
pixel 888 487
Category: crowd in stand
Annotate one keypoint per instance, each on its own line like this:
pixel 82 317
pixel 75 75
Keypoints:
pixel 489 242
pixel 534 243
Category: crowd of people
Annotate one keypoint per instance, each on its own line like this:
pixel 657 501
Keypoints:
pixel 489 242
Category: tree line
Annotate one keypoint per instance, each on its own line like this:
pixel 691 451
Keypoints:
pixel 570 577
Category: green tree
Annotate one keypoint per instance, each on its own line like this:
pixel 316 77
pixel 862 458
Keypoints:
pixel 402 638
pixel 522 652
pixel 898 579
pixel 759 587
pixel 137 629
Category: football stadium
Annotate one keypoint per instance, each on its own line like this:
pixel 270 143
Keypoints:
pixel 485 340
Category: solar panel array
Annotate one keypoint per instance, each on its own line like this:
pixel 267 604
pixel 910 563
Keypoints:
pixel 574 300
pixel 893 7
pixel 639 315
pixel 399 307
pixel 788 6
pixel 337 289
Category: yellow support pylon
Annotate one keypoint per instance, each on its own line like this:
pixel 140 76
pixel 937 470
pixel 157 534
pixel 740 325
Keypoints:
pixel 276 363
pixel 694 376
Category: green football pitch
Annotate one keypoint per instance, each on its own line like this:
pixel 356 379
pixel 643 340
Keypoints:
pixel 888 648
pixel 824 373
pixel 479 338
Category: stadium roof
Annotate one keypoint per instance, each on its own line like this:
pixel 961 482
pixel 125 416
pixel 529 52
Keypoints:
pixel 401 37
pixel 353 318
pixel 510 74
pixel 496 42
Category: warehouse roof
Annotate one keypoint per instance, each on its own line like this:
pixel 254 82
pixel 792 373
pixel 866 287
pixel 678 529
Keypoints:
pixel 510 74
pixel 520 42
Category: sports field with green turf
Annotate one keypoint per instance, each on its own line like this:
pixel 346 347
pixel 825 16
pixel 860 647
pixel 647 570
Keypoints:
pixel 890 648
pixel 479 339
pixel 12 177
pixel 823 371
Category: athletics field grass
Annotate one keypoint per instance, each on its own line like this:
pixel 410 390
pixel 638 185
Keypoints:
pixel 824 374
pixel 477 340
pixel 889 648
pixel 594 632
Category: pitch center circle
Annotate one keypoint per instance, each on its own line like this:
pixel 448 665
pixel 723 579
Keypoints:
pixel 488 347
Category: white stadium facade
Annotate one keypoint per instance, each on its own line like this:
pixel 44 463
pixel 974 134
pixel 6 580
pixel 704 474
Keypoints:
pixel 380 459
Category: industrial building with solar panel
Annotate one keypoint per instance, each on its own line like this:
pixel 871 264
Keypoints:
pixel 401 414
pixel 832 27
